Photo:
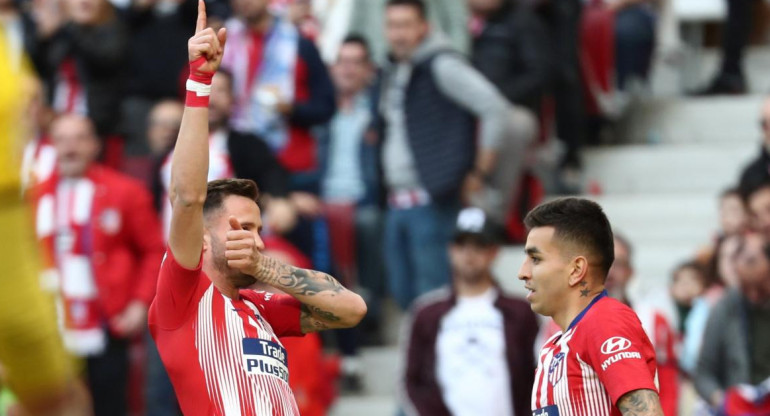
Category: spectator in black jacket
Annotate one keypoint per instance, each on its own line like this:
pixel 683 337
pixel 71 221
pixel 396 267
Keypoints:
pixel 510 47
pixel 730 78
pixel 81 53
pixel 157 61
pixel 757 172
pixel 431 101
pixel 563 20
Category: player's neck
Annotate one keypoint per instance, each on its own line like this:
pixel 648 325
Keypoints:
pixel 220 282
pixel 228 290
pixel 575 305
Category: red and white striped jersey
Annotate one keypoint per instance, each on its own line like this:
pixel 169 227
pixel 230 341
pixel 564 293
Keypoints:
pixel 223 355
pixel 603 355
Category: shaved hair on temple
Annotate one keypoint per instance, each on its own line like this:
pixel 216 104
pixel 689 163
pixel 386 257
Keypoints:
pixel 579 224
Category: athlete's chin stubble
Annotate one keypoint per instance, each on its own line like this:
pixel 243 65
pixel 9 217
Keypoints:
pixel 235 277
pixel 240 280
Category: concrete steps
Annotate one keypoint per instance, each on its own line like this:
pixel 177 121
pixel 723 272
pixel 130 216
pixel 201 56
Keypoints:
pixel 383 366
pixel 719 120
pixel 646 169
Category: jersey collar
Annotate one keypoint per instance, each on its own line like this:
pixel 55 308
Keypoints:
pixel 583 312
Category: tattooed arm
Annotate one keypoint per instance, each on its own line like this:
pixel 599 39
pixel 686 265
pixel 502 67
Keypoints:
pixel 641 402
pixel 326 304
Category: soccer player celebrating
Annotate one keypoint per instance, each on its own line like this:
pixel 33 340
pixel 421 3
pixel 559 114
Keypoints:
pixel 601 363
pixel 218 340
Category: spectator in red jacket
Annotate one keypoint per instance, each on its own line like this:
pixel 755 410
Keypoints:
pixel 103 246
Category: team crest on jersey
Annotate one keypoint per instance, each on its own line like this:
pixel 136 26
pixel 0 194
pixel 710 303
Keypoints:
pixel 556 369
pixel 261 356
pixel 110 221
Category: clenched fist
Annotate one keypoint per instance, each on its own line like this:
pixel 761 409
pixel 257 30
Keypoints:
pixel 206 47
pixel 243 248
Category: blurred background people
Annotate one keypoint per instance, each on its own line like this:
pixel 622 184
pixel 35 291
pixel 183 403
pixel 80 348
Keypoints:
pixel 103 247
pixel 657 321
pixel 282 87
pixel 232 154
pixel 758 171
pixel 81 52
pixel 33 361
pixel 470 319
pixel 737 337
pixel 350 188
pixel 157 62
pixel 430 102
pixel 502 80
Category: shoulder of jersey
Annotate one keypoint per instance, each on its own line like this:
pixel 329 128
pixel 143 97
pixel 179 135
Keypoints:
pixel 610 309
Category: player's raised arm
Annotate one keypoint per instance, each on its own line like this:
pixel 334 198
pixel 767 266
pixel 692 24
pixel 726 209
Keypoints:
pixel 189 165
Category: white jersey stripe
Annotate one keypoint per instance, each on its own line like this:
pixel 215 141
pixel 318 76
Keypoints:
pixel 233 391
pixel 564 400
pixel 538 381
pixel 590 397
pixel 544 383
pixel 225 373
pixel 570 366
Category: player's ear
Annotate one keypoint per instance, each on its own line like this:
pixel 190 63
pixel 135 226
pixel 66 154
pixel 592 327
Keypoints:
pixel 578 270
pixel 206 240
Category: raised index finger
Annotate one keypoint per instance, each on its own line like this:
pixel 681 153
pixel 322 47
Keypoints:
pixel 201 23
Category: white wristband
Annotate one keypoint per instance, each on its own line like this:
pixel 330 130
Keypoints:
pixel 200 89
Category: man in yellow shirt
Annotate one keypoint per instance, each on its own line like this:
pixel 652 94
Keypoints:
pixel 34 363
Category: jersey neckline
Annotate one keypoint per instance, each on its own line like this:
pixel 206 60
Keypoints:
pixel 583 312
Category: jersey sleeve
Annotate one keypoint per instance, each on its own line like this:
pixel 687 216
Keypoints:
pixel 176 294
pixel 620 353
pixel 281 312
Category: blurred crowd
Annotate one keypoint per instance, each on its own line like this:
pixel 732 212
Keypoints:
pixel 368 125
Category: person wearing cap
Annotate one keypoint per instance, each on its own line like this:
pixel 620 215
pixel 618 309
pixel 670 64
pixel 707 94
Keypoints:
pixel 469 345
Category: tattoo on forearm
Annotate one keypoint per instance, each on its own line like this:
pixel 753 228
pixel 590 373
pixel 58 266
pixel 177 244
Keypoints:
pixel 640 403
pixel 320 313
pixel 299 281
pixel 309 322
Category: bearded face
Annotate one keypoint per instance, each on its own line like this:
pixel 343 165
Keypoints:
pixel 235 277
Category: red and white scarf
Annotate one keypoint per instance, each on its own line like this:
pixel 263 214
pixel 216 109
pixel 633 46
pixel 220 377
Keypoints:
pixel 64 228
pixel 69 94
